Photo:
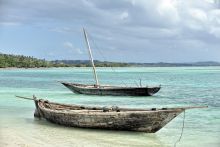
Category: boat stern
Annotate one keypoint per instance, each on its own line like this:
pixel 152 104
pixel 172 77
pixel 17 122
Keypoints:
pixel 153 90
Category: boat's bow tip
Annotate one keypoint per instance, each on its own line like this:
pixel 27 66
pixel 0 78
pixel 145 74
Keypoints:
pixel 65 83
pixel 62 82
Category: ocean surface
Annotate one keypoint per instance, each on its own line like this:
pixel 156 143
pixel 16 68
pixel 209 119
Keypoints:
pixel 181 86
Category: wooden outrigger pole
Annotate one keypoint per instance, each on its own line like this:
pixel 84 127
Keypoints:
pixel 123 109
pixel 91 57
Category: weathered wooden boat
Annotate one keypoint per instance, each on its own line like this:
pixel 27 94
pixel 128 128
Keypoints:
pixel 111 90
pixel 114 118
pixel 97 89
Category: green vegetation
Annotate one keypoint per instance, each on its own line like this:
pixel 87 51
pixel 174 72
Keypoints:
pixel 86 63
pixel 20 61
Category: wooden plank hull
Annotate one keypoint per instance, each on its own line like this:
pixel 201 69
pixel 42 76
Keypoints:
pixel 111 90
pixel 149 121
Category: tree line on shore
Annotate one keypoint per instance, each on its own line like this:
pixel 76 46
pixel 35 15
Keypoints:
pixel 21 61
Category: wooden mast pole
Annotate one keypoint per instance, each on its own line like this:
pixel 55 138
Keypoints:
pixel 91 58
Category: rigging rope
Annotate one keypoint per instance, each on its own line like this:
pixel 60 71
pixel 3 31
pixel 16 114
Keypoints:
pixel 100 52
pixel 105 58
pixel 181 130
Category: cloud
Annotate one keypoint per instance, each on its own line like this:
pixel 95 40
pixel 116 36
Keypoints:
pixel 167 14
pixel 124 15
pixel 9 24
pixel 71 48
pixel 68 45
pixel 61 29
pixel 126 25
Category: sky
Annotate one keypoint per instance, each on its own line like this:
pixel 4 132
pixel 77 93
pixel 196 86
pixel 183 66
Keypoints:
pixel 118 30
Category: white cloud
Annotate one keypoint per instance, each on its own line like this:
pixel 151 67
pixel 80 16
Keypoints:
pixel 124 15
pixel 126 24
pixel 68 45
pixel 71 48
pixel 61 29
pixel 199 15
pixel 215 31
pixel 215 17
pixel 168 9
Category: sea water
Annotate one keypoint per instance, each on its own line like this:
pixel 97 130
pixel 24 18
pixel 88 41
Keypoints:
pixel 181 86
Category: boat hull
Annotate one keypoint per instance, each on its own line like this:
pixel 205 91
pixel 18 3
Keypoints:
pixel 149 121
pixel 111 90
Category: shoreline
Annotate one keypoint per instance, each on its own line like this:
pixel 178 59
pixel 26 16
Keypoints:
pixel 38 68
pixel 13 68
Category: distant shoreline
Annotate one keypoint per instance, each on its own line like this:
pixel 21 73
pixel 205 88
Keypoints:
pixel 40 68
pixel 27 62
pixel 13 68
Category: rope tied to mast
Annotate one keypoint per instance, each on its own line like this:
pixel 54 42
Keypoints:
pixel 100 52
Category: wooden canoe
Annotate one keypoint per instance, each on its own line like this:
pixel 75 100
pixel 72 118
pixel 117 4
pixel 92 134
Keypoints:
pixel 111 90
pixel 114 118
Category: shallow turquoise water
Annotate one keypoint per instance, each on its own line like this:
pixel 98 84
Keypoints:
pixel 181 86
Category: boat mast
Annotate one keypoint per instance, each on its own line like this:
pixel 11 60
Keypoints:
pixel 91 58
